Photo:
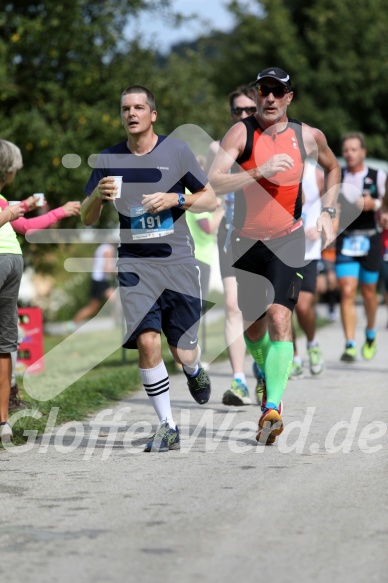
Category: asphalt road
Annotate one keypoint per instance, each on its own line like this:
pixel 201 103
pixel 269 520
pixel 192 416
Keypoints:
pixel 88 505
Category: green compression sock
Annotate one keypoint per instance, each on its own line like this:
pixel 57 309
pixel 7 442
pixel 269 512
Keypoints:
pixel 278 366
pixel 259 350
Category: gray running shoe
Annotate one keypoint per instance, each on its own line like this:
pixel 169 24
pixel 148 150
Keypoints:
pixel 164 439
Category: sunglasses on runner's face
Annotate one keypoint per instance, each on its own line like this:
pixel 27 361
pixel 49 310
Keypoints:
pixel 239 110
pixel 279 91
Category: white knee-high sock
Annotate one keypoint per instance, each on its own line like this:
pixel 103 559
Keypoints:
pixel 157 386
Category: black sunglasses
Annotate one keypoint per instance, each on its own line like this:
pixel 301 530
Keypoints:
pixel 279 91
pixel 239 110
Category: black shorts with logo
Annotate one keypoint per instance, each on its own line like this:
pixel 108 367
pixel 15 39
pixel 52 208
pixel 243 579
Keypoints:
pixel 310 273
pixel 268 272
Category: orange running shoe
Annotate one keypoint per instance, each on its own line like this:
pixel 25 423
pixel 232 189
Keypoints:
pixel 270 426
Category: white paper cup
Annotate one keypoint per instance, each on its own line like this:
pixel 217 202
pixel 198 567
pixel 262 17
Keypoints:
pixel 40 197
pixel 119 183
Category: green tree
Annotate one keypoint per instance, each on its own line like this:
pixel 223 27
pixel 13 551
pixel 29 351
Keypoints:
pixel 60 65
pixel 62 69
pixel 186 94
pixel 335 51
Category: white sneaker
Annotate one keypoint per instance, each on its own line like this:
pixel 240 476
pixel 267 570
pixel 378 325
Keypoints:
pixel 6 434
pixel 317 364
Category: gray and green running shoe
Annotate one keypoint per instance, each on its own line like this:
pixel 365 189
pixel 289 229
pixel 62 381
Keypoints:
pixel 350 354
pixel 260 383
pixel 199 386
pixel 369 349
pixel 317 364
pixel 296 371
pixel 164 439
pixel 238 394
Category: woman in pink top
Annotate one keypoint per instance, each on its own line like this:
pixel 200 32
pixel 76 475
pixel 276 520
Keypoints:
pixel 21 226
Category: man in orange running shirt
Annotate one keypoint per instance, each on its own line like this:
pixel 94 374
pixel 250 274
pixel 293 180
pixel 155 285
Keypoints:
pixel 267 239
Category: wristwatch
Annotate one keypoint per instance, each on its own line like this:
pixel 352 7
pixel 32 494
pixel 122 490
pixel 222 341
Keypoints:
pixel 181 199
pixel 330 210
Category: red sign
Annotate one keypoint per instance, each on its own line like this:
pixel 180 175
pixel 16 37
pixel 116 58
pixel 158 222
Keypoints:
pixel 30 350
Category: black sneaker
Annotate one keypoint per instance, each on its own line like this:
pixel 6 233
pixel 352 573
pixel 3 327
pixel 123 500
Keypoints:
pixel 164 439
pixel 14 399
pixel 199 386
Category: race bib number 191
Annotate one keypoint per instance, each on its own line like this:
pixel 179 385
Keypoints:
pixel 147 226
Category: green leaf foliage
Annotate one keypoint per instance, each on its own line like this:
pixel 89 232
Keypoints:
pixel 335 51
pixel 62 69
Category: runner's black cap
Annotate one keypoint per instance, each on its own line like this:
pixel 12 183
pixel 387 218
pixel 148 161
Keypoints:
pixel 274 73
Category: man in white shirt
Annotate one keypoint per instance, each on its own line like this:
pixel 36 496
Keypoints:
pixel 313 188
pixel 358 247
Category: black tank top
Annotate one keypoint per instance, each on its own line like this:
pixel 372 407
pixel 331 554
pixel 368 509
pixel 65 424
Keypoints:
pixel 367 219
